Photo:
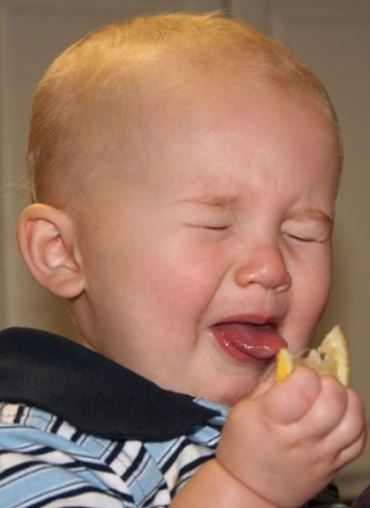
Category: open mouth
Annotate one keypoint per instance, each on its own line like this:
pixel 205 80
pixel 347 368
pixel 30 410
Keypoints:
pixel 248 341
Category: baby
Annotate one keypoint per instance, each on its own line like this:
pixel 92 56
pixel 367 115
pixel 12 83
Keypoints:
pixel 183 171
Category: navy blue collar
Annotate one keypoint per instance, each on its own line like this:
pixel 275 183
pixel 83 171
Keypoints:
pixel 90 391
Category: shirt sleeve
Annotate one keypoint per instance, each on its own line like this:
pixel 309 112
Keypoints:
pixel 30 481
pixel 39 468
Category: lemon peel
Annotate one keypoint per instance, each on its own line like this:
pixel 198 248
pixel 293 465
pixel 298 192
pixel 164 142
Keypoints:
pixel 331 358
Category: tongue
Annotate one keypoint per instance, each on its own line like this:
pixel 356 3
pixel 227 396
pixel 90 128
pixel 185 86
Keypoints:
pixel 261 342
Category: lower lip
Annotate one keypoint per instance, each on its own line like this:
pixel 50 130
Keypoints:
pixel 243 355
pixel 240 356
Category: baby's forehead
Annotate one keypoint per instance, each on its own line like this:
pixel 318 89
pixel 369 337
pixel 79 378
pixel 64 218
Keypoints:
pixel 201 104
pixel 127 140
pixel 102 91
pixel 124 113
pixel 161 76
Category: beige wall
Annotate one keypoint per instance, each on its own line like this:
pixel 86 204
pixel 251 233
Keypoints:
pixel 333 37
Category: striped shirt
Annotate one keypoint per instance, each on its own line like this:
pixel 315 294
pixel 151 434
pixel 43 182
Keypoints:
pixel 77 430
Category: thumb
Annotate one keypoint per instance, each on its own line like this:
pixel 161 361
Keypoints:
pixel 288 401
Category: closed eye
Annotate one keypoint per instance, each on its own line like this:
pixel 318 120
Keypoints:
pixel 320 236
pixel 304 239
pixel 211 213
pixel 308 231
pixel 217 228
pixel 210 227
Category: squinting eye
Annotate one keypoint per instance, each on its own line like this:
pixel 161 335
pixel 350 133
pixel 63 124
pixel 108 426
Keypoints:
pixel 313 231
pixel 302 238
pixel 221 227
pixel 216 228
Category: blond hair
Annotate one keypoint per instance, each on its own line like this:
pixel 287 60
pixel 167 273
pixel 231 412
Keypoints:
pixel 84 79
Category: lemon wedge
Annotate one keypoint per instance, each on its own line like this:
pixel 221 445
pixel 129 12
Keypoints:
pixel 331 358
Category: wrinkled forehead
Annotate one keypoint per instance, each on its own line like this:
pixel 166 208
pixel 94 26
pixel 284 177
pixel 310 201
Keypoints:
pixel 186 95
pixel 124 114
pixel 164 79
pixel 179 139
pixel 158 116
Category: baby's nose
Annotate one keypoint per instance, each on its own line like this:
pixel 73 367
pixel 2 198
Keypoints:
pixel 265 266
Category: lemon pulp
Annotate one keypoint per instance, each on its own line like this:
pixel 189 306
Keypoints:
pixel 331 358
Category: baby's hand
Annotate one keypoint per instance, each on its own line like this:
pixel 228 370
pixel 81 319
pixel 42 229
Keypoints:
pixel 287 443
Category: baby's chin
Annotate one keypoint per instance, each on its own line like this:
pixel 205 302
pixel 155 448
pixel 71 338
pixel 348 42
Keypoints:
pixel 230 392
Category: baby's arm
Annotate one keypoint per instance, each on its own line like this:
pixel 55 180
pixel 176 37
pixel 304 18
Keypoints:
pixel 281 448
pixel 213 487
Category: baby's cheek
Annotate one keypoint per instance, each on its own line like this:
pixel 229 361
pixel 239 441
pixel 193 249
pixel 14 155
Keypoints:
pixel 307 301
pixel 189 275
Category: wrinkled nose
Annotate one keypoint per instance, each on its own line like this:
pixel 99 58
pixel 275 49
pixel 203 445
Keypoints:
pixel 264 266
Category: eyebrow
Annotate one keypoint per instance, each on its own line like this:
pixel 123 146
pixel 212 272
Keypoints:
pixel 312 214
pixel 216 201
pixel 225 202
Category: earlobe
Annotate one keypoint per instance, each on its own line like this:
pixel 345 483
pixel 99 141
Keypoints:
pixel 47 241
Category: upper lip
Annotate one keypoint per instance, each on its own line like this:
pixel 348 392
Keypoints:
pixel 254 319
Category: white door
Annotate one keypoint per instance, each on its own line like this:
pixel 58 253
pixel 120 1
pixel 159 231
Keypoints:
pixel 331 36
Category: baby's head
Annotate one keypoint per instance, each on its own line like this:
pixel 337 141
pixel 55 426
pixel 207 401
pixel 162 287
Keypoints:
pixel 184 171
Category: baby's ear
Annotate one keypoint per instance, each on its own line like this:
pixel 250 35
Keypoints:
pixel 48 244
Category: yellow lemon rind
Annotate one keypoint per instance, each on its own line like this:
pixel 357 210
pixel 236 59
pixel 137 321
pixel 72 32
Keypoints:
pixel 284 364
pixel 331 358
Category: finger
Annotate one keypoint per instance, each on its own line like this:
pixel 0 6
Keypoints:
pixel 329 408
pixel 353 424
pixel 351 452
pixel 288 401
